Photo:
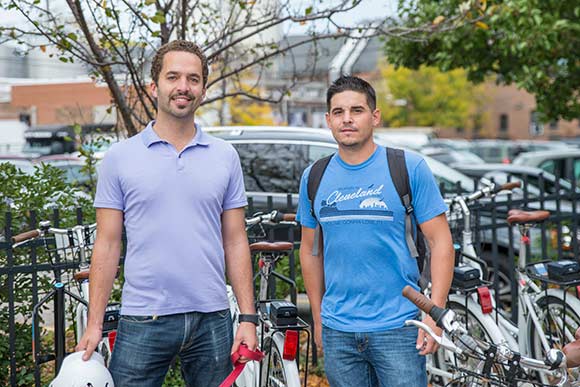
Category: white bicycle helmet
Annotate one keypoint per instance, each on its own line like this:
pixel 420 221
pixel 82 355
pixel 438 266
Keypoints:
pixel 75 372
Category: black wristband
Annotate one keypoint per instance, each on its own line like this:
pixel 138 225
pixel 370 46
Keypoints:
pixel 253 318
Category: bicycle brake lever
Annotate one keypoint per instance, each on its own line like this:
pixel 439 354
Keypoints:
pixel 443 341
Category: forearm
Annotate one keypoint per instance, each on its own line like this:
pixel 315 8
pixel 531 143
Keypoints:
pixel 239 270
pixel 313 274
pixel 442 262
pixel 104 264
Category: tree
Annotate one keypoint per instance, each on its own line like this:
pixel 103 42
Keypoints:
pixel 115 38
pixel 427 97
pixel 534 44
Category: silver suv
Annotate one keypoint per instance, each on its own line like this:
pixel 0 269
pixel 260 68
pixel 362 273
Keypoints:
pixel 273 159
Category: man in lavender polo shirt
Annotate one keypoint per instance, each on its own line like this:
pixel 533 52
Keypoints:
pixel 180 195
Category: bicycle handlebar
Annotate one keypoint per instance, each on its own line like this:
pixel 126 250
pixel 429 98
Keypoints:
pixel 274 217
pixel 508 186
pixel 426 305
pixel 46 229
pixel 25 236
pixel 444 318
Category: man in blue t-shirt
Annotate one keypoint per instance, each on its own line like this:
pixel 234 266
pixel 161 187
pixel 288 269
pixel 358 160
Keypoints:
pixel 355 285
pixel 180 195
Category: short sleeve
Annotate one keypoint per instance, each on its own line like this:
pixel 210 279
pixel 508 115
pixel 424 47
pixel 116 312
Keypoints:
pixel 235 196
pixel 303 213
pixel 109 192
pixel 427 200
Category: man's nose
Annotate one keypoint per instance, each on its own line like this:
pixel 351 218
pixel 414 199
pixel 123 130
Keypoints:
pixel 347 117
pixel 182 84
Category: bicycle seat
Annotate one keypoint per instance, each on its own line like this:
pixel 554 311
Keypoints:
pixel 271 246
pixel 526 217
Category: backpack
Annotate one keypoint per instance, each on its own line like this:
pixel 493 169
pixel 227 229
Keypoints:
pixel 418 247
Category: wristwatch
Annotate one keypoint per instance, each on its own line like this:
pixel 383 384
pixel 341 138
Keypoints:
pixel 253 318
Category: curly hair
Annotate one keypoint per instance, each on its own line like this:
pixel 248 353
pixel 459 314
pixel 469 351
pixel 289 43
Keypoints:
pixel 178 45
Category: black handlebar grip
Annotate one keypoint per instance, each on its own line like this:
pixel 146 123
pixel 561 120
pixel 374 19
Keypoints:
pixel 508 186
pixel 425 304
pixel 25 235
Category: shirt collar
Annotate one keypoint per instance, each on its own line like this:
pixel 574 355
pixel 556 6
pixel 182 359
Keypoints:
pixel 150 137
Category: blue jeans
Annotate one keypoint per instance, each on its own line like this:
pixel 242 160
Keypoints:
pixel 386 359
pixel 146 346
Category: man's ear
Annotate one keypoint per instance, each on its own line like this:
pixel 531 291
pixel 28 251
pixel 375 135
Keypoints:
pixel 376 118
pixel 154 89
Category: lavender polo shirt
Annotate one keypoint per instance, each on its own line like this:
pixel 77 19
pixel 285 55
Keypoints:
pixel 172 204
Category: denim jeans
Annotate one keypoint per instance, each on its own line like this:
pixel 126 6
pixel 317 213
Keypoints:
pixel 386 359
pixel 146 346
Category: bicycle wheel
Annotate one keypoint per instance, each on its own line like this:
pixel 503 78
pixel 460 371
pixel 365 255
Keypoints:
pixel 276 371
pixel 478 325
pixel 558 321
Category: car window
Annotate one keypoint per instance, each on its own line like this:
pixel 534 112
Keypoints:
pixel 555 167
pixel 319 151
pixel 275 168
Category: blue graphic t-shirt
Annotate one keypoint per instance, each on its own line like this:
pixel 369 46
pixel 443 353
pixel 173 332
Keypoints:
pixel 366 259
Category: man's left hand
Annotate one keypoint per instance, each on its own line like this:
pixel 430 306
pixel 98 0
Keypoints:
pixel 425 343
pixel 246 334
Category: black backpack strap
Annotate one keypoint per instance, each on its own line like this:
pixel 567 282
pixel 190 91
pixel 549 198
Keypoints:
pixel 314 178
pixel 400 176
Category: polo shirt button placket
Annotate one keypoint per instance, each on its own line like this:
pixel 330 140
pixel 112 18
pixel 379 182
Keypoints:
pixel 180 163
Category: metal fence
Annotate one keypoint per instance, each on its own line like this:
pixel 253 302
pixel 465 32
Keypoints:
pixel 490 229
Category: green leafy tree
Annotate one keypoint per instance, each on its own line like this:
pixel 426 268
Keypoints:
pixel 534 44
pixel 427 97
pixel 115 40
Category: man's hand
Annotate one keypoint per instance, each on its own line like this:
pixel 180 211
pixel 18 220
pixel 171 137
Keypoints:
pixel 246 334
pixel 318 335
pixel 425 342
pixel 89 341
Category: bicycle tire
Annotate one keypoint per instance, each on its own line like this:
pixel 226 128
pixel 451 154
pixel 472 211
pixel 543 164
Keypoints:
pixel 277 371
pixel 551 307
pixel 479 325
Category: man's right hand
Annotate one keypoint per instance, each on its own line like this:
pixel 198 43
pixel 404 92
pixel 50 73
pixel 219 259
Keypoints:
pixel 318 334
pixel 89 341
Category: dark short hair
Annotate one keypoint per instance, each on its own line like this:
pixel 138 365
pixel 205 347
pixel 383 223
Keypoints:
pixel 178 45
pixel 350 83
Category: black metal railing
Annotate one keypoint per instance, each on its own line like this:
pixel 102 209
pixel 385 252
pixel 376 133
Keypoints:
pixel 27 273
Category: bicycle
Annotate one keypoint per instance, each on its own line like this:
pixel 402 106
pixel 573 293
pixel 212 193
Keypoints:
pixel 497 365
pixel 279 325
pixel 547 318
pixel 469 297
pixel 66 248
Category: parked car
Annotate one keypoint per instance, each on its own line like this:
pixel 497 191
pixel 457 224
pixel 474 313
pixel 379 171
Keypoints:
pixel 71 164
pixel 530 175
pixel 505 151
pixel 451 157
pixel 449 143
pixel 563 163
pixel 273 159
pixel 19 161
